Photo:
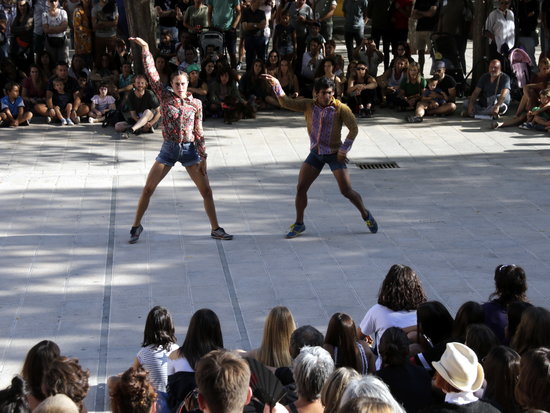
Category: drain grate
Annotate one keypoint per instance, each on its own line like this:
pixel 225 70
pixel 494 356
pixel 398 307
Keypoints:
pixel 376 165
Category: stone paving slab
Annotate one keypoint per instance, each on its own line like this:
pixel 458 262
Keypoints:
pixel 463 200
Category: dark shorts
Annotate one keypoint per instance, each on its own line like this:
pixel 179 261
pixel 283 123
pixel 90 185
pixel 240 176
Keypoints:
pixel 172 152
pixel 318 161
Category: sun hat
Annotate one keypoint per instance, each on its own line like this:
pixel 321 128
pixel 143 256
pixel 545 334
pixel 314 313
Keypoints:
pixel 460 368
pixel 193 68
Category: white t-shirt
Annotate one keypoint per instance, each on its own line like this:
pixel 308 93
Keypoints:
pixel 103 103
pixel 379 318
pixel 54 21
pixel 179 364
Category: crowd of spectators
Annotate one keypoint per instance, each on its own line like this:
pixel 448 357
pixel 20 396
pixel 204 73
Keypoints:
pixel 289 39
pixel 408 354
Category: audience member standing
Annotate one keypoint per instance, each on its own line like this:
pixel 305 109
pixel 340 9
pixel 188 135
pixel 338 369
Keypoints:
pixel 253 23
pixel 355 14
pixel 500 29
pixel 323 12
pixel 225 15
pixel 54 24
pixel 83 34
pixel 425 12
pixel 166 12
pixel 527 20
pixel 300 16
pixel 379 14
pixel 104 23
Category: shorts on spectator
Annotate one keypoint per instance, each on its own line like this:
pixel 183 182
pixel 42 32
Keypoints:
pixel 423 42
pixel 318 161
pixel 172 152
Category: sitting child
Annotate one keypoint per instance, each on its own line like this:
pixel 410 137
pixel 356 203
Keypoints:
pixel 62 103
pixel 12 108
pixel 539 116
pixel 433 97
pixel 101 104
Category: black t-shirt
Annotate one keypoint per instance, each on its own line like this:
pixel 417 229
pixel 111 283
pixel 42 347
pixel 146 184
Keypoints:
pixel 527 23
pixel 250 16
pixel 71 85
pixel 425 24
pixel 139 104
pixel 446 83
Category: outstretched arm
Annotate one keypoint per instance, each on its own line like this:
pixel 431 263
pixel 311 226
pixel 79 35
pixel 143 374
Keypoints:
pixel 298 105
pixel 149 65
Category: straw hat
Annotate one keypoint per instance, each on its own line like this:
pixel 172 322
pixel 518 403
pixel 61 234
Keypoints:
pixel 460 368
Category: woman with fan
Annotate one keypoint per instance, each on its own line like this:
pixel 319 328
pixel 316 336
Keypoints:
pixel 204 334
pixel 274 350
pixel 346 350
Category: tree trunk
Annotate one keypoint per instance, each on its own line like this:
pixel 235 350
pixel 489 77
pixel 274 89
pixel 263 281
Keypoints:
pixel 482 8
pixel 142 22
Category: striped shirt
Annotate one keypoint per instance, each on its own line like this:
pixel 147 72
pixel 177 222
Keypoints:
pixel 155 360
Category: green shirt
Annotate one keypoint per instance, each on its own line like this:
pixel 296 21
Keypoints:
pixel 223 12
pixel 412 88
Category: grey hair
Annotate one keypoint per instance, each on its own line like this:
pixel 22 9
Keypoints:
pixel 371 387
pixel 311 369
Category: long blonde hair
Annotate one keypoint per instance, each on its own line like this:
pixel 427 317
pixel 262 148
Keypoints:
pixel 274 350
pixel 334 387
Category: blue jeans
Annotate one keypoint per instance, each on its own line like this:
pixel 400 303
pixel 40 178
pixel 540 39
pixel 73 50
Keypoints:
pixel 351 36
pixel 318 161
pixel 172 152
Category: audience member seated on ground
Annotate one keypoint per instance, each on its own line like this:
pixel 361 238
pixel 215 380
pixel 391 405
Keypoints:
pixel 45 64
pixel 538 82
pixel 190 58
pixel 12 108
pixel 159 341
pixel 13 399
pixel 366 405
pixel 272 63
pixel 204 334
pixel 346 350
pixel 163 69
pixel 389 81
pixel 37 362
pixel 121 55
pixel 101 104
pixel 370 387
pixel 491 95
pixel 526 116
pixel 225 99
pixel 459 375
pixel 78 64
pixel 58 403
pixel 401 50
pixel 197 86
pixel 63 103
pixel 432 98
pixel 514 312
pixel 288 81
pixel 447 86
pixel 501 368
pixel 326 70
pixel 510 286
pixel 133 392
pixel 144 110
pixel 33 88
pixel 70 87
pixel 10 73
pixel 125 84
pixel 252 87
pixel 314 32
pixel 410 385
pixel 369 55
pixel 303 336
pixel 481 339
pixel 434 329
pixel 533 386
pixel 66 376
pixel 400 295
pixel 533 330
pixel 330 51
pixel 410 88
pixel 274 349
pixel 87 92
pixel 470 312
pixel 311 369
pixel 223 382
pixel 334 388
pixel 538 117
pixel 104 73
pixel 310 62
pixel 361 91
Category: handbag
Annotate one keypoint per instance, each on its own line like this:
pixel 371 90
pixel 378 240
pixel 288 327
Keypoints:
pixel 56 42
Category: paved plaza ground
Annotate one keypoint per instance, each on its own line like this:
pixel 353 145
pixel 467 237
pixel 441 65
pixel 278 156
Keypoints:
pixel 463 200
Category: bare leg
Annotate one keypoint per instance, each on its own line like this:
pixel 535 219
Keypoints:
pixel 145 117
pixel 308 174
pixel 203 185
pixel 156 174
pixel 445 108
pixel 344 183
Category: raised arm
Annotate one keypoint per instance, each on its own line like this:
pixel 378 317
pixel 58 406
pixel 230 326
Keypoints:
pixel 149 66
pixel 297 105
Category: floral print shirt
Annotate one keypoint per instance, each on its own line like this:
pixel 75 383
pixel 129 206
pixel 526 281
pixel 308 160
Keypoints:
pixel 181 117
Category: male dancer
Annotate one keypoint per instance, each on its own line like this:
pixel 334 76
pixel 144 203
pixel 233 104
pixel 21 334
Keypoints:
pixel 183 142
pixel 325 116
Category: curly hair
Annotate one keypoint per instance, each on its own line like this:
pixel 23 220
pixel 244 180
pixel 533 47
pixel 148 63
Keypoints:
pixel 66 376
pixel 134 393
pixel 401 290
pixel 14 398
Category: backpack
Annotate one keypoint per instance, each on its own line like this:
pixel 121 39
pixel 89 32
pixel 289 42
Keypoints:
pixel 112 118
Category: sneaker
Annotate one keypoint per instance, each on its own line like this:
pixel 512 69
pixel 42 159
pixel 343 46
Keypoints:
pixel 295 230
pixel 414 119
pixel 63 122
pixel 526 125
pixel 135 232
pixel 371 223
pixel 91 120
pixel 221 234
pixel 25 123
pixel 70 122
pixel 76 120
pixel 126 134
pixel 48 120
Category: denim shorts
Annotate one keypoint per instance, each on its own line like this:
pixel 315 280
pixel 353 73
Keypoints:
pixel 172 152
pixel 318 161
